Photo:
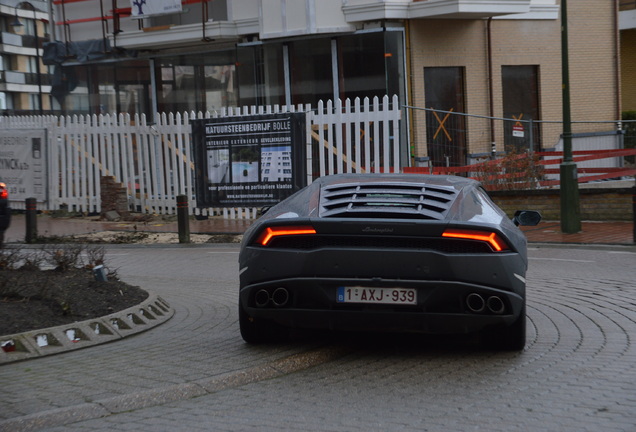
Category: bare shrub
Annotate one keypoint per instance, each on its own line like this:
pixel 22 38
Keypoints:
pixel 65 258
pixel 95 256
pixel 517 170
pixel 32 260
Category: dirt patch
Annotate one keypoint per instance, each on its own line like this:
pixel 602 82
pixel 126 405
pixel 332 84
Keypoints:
pixel 35 299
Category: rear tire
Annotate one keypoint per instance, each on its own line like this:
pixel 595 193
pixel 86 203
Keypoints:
pixel 258 331
pixel 511 338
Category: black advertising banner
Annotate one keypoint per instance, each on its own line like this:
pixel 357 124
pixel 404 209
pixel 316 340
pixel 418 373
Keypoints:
pixel 248 161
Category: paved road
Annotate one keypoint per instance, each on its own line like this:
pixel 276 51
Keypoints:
pixel 195 374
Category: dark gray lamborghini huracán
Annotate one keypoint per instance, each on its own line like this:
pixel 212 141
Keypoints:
pixel 390 253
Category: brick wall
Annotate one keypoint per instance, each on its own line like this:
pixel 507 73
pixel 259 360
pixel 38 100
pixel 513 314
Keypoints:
pixel 595 204
pixel 593 66
pixel 113 197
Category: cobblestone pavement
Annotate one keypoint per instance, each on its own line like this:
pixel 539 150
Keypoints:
pixel 194 373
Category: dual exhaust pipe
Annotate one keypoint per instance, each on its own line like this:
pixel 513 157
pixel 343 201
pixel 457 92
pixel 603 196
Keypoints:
pixel 478 304
pixel 474 302
pixel 279 297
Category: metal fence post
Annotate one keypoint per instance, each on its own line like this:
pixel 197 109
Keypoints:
pixel 531 136
pixel 31 220
pixel 183 220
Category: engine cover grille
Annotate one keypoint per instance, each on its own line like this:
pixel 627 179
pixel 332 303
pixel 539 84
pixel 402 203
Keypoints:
pixel 388 200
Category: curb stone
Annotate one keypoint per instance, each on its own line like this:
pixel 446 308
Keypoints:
pixel 68 337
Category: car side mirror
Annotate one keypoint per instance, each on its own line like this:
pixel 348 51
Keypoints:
pixel 526 218
pixel 264 210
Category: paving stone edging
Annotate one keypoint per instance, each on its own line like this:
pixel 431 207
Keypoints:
pixel 68 337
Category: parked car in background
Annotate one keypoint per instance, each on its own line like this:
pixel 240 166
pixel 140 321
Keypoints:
pixel 390 253
pixel 5 211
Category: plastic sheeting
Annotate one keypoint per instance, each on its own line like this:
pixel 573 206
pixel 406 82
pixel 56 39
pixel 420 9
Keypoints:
pixel 55 53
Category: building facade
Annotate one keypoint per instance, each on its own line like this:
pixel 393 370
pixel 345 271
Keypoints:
pixel 24 81
pixel 510 67
pixel 487 58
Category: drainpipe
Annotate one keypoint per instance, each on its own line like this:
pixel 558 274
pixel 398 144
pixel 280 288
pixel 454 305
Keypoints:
pixel 617 48
pixel 409 86
pixel 204 19
pixel 491 103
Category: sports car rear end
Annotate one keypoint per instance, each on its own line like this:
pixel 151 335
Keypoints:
pixel 402 253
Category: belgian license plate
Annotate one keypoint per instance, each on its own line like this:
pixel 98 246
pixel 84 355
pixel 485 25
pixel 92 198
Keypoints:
pixel 406 296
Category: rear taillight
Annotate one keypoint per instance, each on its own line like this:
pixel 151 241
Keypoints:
pixel 4 193
pixel 272 232
pixel 495 242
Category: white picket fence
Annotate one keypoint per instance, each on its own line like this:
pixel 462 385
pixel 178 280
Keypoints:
pixel 154 161
pixel 360 138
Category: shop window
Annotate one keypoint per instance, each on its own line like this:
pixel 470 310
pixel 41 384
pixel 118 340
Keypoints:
pixel 196 83
pixel 103 94
pixel 361 60
pixel 107 89
pixel 75 100
pixel 132 87
pixel 370 64
pixel 311 71
pixel 260 73
pixel 273 75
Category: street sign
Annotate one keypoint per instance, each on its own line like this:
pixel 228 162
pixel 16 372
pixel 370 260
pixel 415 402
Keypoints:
pixel 518 131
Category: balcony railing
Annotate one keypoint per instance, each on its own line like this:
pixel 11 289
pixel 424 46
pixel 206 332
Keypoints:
pixel 13 77
pixel 10 39
pixel 627 5
pixel 27 78
pixel 30 41
pixel 32 78
pixel 26 41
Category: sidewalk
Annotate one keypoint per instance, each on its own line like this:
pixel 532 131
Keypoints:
pixel 48 226
pixel 618 233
